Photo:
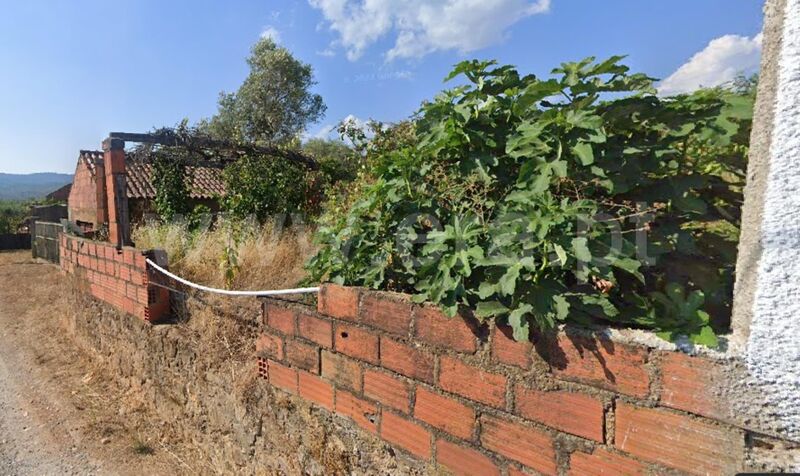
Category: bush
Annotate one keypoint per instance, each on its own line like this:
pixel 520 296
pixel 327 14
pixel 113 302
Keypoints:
pixel 12 215
pixel 532 200
pixel 264 186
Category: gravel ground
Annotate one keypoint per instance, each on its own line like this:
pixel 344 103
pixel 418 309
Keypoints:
pixel 58 414
pixel 32 441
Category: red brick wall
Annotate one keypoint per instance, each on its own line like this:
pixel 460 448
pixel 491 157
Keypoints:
pixel 118 277
pixel 463 395
pixel 87 198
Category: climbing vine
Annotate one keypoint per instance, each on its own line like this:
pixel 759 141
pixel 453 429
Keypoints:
pixel 172 193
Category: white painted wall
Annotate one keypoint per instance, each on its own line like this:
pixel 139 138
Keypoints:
pixel 773 347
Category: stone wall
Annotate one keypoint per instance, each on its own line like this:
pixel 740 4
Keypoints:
pixel 214 403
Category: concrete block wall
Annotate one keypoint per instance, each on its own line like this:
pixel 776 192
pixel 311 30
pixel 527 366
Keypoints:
pixel 465 396
pixel 116 276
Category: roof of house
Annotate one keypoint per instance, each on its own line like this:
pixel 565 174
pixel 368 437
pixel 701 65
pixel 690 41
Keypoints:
pixel 204 182
pixel 62 194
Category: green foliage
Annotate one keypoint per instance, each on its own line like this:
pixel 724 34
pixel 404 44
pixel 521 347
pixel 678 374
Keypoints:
pixel 229 261
pixel 274 103
pixel 172 193
pixel 337 161
pixel 263 186
pixel 170 169
pixel 12 215
pixel 270 109
pixel 532 201
pixel 338 167
pixel 200 219
pixel 328 150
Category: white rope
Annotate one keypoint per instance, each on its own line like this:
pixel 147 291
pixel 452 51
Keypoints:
pixel 277 292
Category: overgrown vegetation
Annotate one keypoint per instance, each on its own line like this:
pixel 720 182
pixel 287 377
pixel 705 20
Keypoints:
pixel 270 109
pixel 12 215
pixel 583 198
pixel 233 253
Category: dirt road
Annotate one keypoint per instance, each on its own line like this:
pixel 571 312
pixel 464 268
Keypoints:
pixel 58 414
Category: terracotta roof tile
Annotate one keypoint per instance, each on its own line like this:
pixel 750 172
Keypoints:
pixel 205 182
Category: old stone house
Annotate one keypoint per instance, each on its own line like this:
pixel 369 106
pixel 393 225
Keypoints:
pixel 88 197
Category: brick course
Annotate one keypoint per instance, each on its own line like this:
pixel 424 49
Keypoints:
pixel 523 444
pixel 573 413
pixel 303 356
pixel 406 434
pixel 117 277
pixel 356 343
pixel 463 461
pixel 470 382
pixel 508 351
pixel 340 302
pixel 678 441
pixel 444 413
pixel 606 463
pixel 317 330
pixel 388 314
pixel 457 333
pixel 688 383
pixel 362 412
pixel 405 360
pixel 280 318
pixel 387 390
pixel 459 395
pixel 315 389
pixel 269 345
pixel 341 370
pixel 601 362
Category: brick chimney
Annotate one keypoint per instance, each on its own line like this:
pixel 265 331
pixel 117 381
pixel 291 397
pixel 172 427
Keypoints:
pixel 116 192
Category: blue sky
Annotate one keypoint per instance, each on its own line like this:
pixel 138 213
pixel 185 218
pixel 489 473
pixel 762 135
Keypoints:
pixel 74 71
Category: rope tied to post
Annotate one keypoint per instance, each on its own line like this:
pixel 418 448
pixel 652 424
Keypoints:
pixel 226 292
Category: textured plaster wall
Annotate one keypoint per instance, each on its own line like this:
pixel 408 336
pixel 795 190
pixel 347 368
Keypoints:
pixel 772 352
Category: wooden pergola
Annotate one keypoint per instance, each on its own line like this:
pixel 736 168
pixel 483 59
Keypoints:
pixel 116 181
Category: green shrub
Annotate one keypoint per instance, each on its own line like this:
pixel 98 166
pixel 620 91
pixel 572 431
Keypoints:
pixel 170 182
pixel 524 199
pixel 263 186
pixel 12 215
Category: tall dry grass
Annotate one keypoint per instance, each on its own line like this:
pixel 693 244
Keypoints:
pixel 235 255
pixel 269 256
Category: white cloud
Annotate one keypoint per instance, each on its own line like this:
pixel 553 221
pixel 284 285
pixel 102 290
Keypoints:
pixel 719 62
pixel 331 131
pixel 424 26
pixel 397 75
pixel 353 121
pixel 272 33
pixel 324 132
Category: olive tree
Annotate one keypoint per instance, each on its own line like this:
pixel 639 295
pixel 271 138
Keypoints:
pixel 274 104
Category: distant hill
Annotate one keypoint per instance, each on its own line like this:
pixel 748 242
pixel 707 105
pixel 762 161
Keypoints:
pixel 24 187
